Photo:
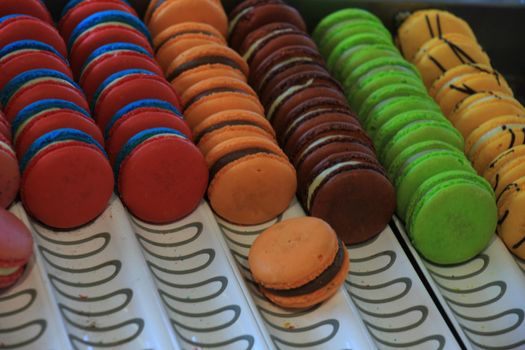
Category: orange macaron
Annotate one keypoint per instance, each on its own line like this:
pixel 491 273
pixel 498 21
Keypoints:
pixel 251 180
pixel 299 262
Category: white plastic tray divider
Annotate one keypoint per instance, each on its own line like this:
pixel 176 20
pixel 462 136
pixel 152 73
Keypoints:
pixel 484 295
pixel 335 324
pixel 29 318
pixel 521 263
pixel 197 284
pixel 104 293
pixel 392 299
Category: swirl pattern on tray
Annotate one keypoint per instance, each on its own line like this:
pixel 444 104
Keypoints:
pixel 480 303
pixel 12 334
pixel 94 311
pixel 286 327
pixel 382 292
pixel 185 268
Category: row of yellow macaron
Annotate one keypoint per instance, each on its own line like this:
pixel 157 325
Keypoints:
pixel 480 104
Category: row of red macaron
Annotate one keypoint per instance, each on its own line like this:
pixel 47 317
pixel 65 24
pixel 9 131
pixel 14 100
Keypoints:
pixel 66 175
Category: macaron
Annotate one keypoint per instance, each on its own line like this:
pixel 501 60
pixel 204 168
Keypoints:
pixel 229 124
pixel 112 58
pixel 352 193
pixel 177 38
pixel 424 25
pixel 507 168
pixel 39 84
pixel 418 132
pixel 478 108
pixel 269 38
pixel 298 262
pixel 46 115
pixel 66 179
pixel 337 19
pixel 510 219
pixel 442 53
pixel 105 28
pixel 452 217
pixel 10 175
pixel 33 8
pixel 5 127
pixel 23 55
pixel 76 11
pixel 205 61
pixel 250 15
pixel 161 14
pixel 161 175
pixel 492 138
pixel 422 166
pixel 17 248
pixel 139 116
pixel 218 94
pixel 124 87
pixel 22 27
pixel 251 180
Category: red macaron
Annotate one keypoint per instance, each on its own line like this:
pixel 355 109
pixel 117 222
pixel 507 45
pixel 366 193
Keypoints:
pixel 35 8
pixel 9 175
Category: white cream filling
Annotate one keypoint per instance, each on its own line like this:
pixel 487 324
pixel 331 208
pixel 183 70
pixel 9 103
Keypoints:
pixel 120 24
pixel 257 43
pixel 284 95
pixel 323 175
pixel 303 117
pixel 490 134
pixel 282 64
pixel 38 80
pixel 486 99
pixel 236 19
pixel 8 271
pixel 315 144
pixel 344 57
pixel 413 158
pixel 6 148
pixel 5 57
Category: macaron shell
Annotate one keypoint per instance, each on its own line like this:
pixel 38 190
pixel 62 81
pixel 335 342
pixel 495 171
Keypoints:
pixel 208 142
pixel 174 12
pixel 337 18
pixel 320 295
pixel 140 120
pixel 84 9
pixel 34 8
pixel 188 79
pixel 44 90
pixel 511 227
pixel 501 161
pixel 16 240
pixel 366 54
pixel 53 120
pixel 9 176
pixel 497 144
pixel 509 173
pixel 5 127
pixel 131 89
pixel 163 179
pixel 457 72
pixel 30 28
pixel 107 34
pixel 67 185
pixel 168 52
pixel 20 62
pixel 98 71
pixel 492 125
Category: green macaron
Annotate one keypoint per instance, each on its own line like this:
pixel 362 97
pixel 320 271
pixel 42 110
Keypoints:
pixel 452 217
pixel 400 160
pixel 338 33
pixel 348 47
pixel 384 93
pixel 381 64
pixel 417 132
pixel 422 166
pixel 391 107
pixel 367 54
pixel 341 17
pixel 389 129
pixel 367 84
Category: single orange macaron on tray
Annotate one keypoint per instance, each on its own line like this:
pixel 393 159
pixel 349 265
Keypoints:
pixel 261 174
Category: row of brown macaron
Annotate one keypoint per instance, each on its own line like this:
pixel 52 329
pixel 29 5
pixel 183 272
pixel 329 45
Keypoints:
pixel 339 177
pixel 251 179
pixel 159 173
pixel 51 127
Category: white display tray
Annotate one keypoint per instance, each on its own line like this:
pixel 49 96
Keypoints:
pixel 119 283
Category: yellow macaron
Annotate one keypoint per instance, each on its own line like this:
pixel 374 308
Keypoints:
pixel 511 221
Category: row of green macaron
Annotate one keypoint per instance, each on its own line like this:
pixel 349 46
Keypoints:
pixel 449 211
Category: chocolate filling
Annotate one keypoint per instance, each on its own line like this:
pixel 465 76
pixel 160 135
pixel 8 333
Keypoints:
pixel 222 125
pixel 233 156
pixel 202 61
pixel 212 91
pixel 163 42
pixel 320 281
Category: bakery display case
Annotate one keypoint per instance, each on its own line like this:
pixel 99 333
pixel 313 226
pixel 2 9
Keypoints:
pixel 122 283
